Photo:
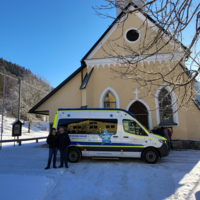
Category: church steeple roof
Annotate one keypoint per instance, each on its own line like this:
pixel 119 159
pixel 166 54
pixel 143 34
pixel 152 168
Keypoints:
pixel 117 20
pixel 124 3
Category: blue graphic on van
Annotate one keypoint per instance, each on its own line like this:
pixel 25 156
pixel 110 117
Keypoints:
pixel 106 137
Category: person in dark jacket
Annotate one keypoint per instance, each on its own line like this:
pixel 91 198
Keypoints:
pixel 52 140
pixel 167 137
pixel 170 137
pixel 154 130
pixel 64 142
pixel 160 132
pixel 169 133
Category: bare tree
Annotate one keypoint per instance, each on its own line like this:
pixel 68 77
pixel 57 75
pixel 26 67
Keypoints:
pixel 33 89
pixel 163 25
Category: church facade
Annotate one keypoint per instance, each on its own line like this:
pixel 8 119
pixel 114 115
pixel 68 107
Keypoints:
pixel 94 84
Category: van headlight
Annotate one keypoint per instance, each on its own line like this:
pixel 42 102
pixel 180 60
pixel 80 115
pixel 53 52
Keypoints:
pixel 162 141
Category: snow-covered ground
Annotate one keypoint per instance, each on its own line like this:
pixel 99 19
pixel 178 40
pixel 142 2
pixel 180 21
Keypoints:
pixel 38 129
pixel 22 177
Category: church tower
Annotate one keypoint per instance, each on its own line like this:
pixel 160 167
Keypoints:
pixel 124 3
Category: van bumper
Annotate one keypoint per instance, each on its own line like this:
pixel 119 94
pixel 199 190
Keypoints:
pixel 163 150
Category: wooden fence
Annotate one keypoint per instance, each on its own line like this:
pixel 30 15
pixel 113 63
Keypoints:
pixel 19 141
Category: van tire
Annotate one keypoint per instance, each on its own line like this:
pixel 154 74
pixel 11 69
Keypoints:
pixel 74 155
pixel 150 156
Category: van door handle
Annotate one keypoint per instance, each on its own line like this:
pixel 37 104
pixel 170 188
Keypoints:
pixel 115 136
pixel 126 137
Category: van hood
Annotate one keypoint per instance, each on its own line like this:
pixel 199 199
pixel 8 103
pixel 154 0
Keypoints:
pixel 158 136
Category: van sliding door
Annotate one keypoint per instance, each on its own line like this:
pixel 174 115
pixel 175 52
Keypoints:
pixel 103 138
pixel 76 123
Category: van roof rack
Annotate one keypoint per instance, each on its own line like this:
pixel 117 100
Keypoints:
pixel 111 109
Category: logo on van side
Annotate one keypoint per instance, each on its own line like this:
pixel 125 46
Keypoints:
pixel 106 137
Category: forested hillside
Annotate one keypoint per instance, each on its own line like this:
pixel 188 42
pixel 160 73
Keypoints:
pixel 33 89
pixel 14 70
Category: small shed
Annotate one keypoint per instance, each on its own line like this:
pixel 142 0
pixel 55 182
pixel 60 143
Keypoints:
pixel 17 128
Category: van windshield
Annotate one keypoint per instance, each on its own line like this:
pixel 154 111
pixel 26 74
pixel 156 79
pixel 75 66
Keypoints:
pixel 142 126
pixel 132 127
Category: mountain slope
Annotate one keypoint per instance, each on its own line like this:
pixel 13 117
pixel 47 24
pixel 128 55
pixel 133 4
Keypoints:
pixel 33 89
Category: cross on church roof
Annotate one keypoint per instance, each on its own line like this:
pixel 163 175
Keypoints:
pixel 136 92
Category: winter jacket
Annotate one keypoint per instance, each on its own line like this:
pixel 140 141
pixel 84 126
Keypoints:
pixel 52 140
pixel 169 133
pixel 166 135
pixel 153 131
pixel 160 132
pixel 168 140
pixel 64 140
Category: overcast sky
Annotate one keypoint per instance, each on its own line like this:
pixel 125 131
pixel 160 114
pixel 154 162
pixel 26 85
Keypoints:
pixel 49 37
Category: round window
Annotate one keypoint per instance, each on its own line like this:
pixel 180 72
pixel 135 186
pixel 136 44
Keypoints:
pixel 132 35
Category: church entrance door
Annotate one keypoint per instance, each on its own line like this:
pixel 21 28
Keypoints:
pixel 141 113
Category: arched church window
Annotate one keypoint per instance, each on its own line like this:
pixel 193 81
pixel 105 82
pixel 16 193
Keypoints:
pixel 109 101
pixel 165 107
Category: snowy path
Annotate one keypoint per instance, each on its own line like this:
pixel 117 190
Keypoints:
pixel 22 176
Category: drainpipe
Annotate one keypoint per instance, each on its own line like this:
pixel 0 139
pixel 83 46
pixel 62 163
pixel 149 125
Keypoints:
pixel 83 65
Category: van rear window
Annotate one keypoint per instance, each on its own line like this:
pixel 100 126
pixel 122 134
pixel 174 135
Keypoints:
pixel 110 125
pixel 75 126
pixel 86 126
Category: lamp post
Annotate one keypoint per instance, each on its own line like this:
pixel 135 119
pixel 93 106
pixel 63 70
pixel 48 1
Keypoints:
pixel 4 87
pixel 19 100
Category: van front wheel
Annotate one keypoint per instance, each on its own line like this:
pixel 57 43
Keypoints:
pixel 150 156
pixel 74 155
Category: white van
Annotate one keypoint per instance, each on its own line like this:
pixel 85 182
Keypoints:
pixel 108 133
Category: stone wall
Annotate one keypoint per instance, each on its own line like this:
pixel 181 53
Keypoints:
pixel 186 144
